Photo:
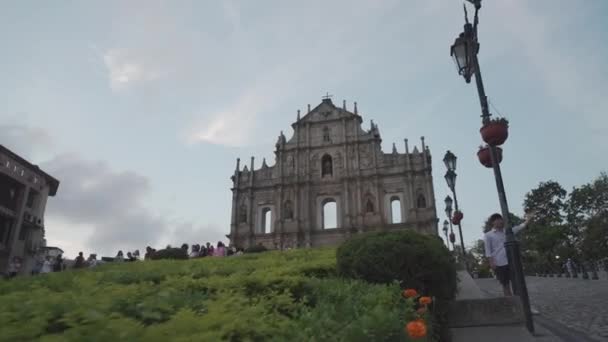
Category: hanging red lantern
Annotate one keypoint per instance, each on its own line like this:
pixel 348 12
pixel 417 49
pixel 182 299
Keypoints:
pixel 485 158
pixel 452 237
pixel 495 132
pixel 457 217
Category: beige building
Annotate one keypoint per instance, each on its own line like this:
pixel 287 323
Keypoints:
pixel 330 180
pixel 24 189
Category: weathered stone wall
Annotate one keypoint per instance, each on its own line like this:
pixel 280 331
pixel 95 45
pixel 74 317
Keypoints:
pixel 331 158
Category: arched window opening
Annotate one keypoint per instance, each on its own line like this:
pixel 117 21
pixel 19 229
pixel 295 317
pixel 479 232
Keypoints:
pixel 330 214
pixel 266 220
pixel 326 166
pixel 421 201
pixel 395 210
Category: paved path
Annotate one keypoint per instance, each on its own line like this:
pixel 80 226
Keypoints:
pixel 578 304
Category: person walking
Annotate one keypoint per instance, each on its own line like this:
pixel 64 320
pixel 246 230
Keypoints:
pixel 494 243
pixel 47 265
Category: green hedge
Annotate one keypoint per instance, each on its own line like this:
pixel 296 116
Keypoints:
pixel 256 249
pixel 170 253
pixel 415 260
pixel 276 296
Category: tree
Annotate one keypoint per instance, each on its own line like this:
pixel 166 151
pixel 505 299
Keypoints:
pixel 548 231
pixel 587 215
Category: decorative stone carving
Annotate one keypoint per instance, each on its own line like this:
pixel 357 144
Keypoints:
pixel 362 200
pixel 243 213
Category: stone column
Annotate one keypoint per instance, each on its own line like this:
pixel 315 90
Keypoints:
pixel 309 201
pixel 235 208
pixel 252 216
pixel 17 224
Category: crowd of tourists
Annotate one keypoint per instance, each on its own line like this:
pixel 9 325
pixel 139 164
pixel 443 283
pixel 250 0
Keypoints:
pixel 47 264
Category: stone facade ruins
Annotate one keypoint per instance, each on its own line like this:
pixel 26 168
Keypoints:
pixel 24 191
pixel 331 163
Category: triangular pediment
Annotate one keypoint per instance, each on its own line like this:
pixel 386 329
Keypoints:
pixel 326 111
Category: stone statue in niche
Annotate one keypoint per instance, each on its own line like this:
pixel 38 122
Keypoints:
pixel 288 210
pixel 421 201
pixel 243 214
pixel 369 206
pixel 290 162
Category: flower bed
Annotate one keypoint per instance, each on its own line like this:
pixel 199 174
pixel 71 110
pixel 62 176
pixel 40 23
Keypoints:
pixel 293 295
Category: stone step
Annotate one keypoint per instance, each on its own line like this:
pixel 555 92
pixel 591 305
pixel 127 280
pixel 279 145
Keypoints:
pixel 505 333
pixel 482 312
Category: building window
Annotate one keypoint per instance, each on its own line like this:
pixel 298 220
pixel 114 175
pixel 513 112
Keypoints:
pixel 330 214
pixel 421 201
pixel 31 199
pixel 5 229
pixel 395 210
pixel 266 220
pixel 326 134
pixel 326 166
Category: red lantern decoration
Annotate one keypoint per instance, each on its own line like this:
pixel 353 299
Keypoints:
pixel 484 156
pixel 452 237
pixel 495 132
pixel 457 217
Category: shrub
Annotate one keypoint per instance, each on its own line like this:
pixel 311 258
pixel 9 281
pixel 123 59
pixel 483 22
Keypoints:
pixel 256 249
pixel 274 296
pixel 170 253
pixel 415 260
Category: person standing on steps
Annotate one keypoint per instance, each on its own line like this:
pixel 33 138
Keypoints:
pixel 494 243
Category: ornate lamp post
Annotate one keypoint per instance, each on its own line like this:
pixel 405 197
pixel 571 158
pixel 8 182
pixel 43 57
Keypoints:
pixel 450 162
pixel 445 232
pixel 448 211
pixel 464 51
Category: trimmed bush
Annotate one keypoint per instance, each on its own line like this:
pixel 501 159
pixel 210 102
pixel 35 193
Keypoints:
pixel 415 260
pixel 260 297
pixel 170 253
pixel 256 249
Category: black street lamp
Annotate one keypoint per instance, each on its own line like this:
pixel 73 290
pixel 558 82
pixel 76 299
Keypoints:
pixel 445 232
pixel 450 177
pixel 464 51
pixel 448 211
pixel 450 161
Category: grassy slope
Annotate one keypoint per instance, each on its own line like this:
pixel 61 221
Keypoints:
pixel 275 296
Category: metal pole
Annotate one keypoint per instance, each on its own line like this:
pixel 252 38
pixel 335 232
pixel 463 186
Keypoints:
pixel 459 226
pixel 511 244
pixel 451 230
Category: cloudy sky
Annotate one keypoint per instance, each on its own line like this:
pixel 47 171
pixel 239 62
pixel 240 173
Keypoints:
pixel 140 108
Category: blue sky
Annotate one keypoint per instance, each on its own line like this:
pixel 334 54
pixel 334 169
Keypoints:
pixel 140 108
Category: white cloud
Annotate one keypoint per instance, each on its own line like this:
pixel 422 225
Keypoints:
pixel 124 69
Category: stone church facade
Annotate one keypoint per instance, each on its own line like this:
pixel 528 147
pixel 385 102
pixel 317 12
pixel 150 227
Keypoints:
pixel 331 166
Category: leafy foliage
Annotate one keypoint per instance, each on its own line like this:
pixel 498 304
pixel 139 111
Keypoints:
pixel 275 296
pixel 256 249
pixel 415 260
pixel 171 253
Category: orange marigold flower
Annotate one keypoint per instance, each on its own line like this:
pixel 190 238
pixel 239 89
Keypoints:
pixel 425 300
pixel 416 329
pixel 408 293
pixel 421 311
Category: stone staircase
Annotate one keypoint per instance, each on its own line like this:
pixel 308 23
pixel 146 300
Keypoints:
pixel 475 317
